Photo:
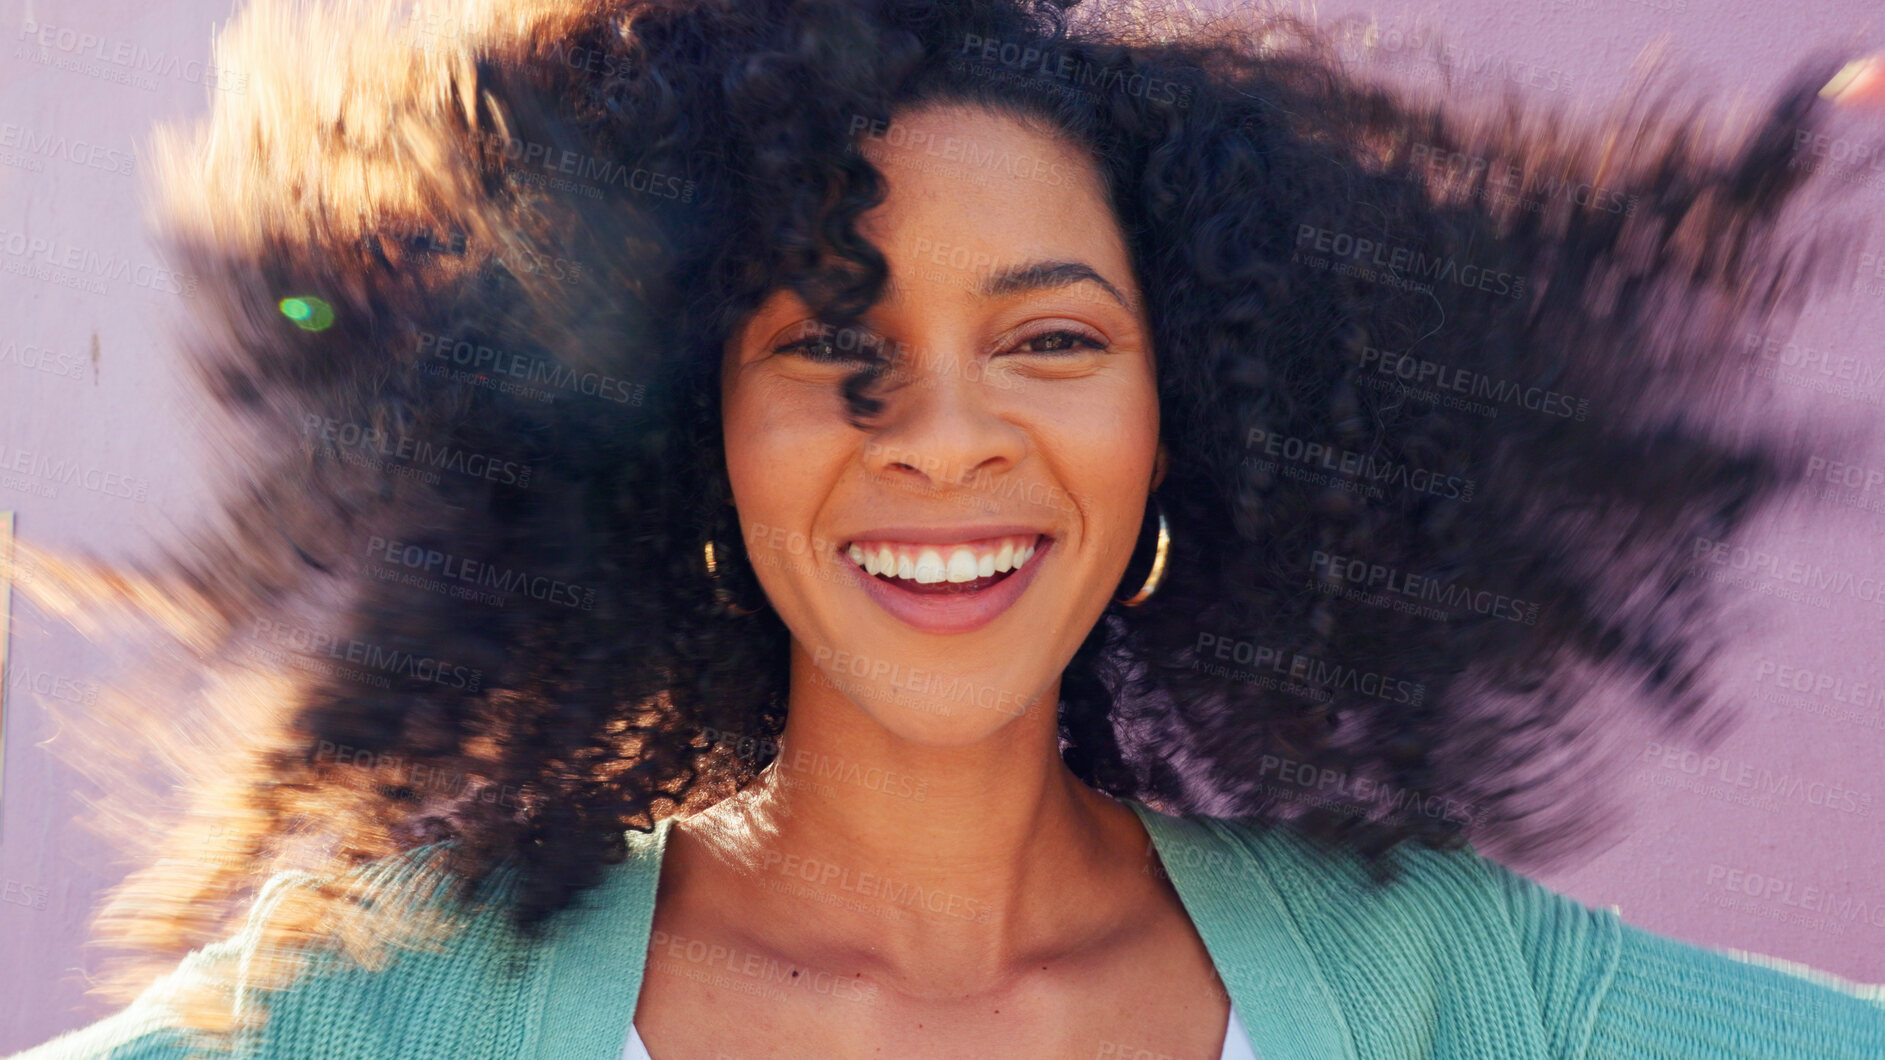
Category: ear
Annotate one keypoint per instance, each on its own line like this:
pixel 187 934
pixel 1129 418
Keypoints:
pixel 1160 464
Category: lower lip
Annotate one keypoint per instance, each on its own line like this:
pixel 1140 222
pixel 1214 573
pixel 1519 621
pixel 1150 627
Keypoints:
pixel 951 612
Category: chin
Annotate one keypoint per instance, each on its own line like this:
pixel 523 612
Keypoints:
pixel 938 723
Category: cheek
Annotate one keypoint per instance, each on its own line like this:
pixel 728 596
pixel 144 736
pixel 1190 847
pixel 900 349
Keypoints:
pixel 783 460
pixel 1112 493
pixel 1106 466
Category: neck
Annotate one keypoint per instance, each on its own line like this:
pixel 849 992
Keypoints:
pixel 992 853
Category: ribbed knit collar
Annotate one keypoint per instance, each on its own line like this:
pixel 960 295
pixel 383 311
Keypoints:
pixel 596 962
pixel 1266 964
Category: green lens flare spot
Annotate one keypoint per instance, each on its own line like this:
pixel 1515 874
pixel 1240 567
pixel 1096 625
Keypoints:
pixel 309 314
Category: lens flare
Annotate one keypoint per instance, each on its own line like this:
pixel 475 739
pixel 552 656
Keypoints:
pixel 309 314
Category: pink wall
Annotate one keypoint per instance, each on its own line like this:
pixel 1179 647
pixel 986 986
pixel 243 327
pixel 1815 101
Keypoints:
pixel 86 376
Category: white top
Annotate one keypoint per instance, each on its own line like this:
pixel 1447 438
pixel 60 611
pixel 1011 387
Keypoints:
pixel 1236 1042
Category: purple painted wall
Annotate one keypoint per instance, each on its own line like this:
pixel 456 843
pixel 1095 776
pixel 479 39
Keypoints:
pixel 1723 848
pixel 86 377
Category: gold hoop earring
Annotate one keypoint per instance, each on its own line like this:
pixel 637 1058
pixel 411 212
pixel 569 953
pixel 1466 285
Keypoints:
pixel 721 594
pixel 1157 573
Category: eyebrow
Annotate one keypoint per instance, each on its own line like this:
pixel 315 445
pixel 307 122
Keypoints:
pixel 1045 275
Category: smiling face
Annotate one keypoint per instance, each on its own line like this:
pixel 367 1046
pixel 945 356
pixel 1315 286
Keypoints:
pixel 939 568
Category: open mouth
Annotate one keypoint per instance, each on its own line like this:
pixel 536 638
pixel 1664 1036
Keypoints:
pixel 947 587
pixel 943 570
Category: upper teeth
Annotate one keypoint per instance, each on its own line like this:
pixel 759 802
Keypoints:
pixel 961 562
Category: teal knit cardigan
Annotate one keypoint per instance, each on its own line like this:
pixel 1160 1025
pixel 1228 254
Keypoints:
pixel 1461 958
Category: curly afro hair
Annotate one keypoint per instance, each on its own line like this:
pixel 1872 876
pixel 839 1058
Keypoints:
pixel 1444 388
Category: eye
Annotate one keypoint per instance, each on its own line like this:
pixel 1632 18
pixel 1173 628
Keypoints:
pixel 1061 340
pixel 831 345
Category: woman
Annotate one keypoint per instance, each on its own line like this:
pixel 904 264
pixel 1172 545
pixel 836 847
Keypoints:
pixel 767 496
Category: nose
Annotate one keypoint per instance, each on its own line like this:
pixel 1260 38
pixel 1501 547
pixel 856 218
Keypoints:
pixel 943 427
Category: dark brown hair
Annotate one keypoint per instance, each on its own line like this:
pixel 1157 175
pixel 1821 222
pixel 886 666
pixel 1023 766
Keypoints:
pixel 465 284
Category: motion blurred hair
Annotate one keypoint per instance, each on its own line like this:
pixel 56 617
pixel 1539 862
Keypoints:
pixel 450 601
